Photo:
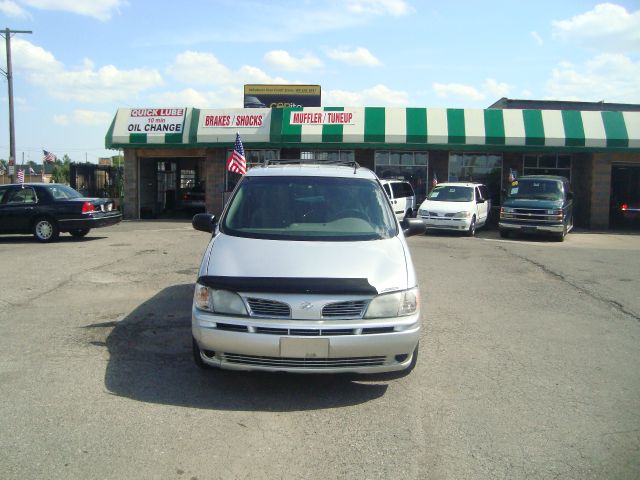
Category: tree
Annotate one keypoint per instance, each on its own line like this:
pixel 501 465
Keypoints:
pixel 60 172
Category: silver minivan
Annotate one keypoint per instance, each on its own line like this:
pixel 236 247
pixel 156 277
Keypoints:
pixel 307 270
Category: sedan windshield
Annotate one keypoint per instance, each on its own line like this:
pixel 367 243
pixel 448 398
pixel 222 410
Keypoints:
pixel 542 189
pixel 309 208
pixel 450 193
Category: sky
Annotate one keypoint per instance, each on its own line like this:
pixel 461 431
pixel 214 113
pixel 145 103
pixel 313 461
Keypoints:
pixel 87 58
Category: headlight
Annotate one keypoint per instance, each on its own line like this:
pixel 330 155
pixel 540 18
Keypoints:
pixel 462 215
pixel 423 213
pixel 397 304
pixel 218 301
pixel 554 212
pixel 506 210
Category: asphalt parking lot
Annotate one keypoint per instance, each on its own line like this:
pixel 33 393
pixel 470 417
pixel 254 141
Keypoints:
pixel 528 368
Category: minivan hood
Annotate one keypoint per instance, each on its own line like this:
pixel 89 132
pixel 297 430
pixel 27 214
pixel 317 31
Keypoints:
pixel 532 203
pixel 382 262
pixel 446 207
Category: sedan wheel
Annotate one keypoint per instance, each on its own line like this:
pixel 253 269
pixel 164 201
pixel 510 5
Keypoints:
pixel 45 230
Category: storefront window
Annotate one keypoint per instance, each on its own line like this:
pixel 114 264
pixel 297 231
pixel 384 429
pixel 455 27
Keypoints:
pixel 328 155
pixel 409 166
pixel 187 178
pixel 481 168
pixel 548 164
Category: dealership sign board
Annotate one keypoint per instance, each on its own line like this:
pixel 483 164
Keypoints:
pixel 281 96
pixel 221 125
pixel 321 118
pixel 156 120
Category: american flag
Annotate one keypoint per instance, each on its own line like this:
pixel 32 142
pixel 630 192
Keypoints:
pixel 20 176
pixel 48 156
pixel 237 162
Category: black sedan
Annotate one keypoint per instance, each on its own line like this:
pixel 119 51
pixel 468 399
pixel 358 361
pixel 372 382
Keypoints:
pixel 46 209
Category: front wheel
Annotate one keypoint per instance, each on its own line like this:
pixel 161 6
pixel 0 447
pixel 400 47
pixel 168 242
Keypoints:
pixel 197 356
pixel 79 233
pixel 560 236
pixel 472 228
pixel 45 230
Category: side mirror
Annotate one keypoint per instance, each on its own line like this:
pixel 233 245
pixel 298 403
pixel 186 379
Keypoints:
pixel 205 222
pixel 413 226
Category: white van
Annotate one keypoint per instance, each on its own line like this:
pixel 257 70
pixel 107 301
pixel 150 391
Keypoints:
pixel 402 197
pixel 456 206
pixel 307 271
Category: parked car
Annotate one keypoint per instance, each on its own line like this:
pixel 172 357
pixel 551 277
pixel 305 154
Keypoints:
pixel 541 204
pixel 307 271
pixel 402 197
pixel 193 199
pixel 46 209
pixel 630 210
pixel 456 206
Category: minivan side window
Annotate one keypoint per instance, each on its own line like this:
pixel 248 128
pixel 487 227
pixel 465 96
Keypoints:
pixel 386 189
pixel 402 190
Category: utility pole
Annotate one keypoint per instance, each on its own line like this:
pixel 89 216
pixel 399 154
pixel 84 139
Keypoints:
pixel 8 73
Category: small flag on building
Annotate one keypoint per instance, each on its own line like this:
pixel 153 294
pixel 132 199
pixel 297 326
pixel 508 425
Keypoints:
pixel 237 162
pixel 48 156
pixel 20 176
pixel 434 182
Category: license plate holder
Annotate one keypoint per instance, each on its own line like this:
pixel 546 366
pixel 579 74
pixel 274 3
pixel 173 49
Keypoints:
pixel 304 347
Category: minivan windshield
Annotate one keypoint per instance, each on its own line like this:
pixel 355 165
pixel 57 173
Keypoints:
pixel 309 208
pixel 451 193
pixel 534 188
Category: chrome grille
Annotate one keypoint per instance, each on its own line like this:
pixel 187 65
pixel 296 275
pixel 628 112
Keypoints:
pixel 268 308
pixel 303 362
pixel 350 309
pixel 307 332
pixel 533 215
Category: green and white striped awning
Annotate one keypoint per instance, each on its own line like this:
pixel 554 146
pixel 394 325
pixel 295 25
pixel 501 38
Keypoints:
pixel 377 127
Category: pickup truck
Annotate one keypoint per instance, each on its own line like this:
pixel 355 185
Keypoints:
pixel 537 204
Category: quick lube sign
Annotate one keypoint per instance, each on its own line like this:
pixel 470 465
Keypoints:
pixel 156 120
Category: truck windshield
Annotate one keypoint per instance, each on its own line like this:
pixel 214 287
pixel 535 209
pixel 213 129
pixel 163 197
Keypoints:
pixel 541 189
pixel 309 208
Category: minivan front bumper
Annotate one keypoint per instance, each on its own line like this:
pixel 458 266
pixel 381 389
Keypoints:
pixel 304 346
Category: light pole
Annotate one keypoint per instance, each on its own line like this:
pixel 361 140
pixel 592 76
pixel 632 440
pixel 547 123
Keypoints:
pixel 9 75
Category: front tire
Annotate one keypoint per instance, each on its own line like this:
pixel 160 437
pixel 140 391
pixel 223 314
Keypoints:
pixel 45 230
pixel 560 236
pixel 472 228
pixel 79 233
pixel 197 356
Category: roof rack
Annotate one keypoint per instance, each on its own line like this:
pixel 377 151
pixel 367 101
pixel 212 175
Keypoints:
pixel 311 161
